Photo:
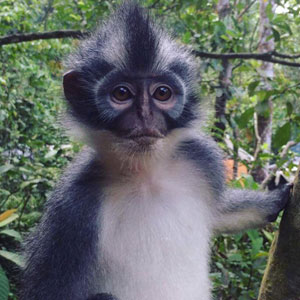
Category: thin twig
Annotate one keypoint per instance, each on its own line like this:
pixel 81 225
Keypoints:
pixel 153 5
pixel 258 137
pixel 245 10
pixel 282 154
pixel 23 208
pixel 288 56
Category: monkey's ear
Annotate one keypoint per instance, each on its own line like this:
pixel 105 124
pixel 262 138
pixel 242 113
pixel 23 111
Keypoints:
pixel 73 87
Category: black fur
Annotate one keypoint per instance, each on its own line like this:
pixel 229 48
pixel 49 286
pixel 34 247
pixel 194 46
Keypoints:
pixel 206 156
pixel 283 196
pixel 102 297
pixel 63 248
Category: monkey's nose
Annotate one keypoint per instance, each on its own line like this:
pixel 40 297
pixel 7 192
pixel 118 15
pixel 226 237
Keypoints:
pixel 151 132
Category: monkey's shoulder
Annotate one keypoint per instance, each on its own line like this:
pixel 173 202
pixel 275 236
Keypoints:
pixel 202 150
pixel 79 181
pixel 62 245
pixel 206 157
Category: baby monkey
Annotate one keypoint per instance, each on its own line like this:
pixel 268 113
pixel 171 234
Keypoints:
pixel 133 215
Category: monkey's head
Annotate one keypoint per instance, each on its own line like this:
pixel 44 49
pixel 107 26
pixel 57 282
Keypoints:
pixel 132 80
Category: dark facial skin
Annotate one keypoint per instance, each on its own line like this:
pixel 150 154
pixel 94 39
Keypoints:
pixel 141 104
pixel 139 108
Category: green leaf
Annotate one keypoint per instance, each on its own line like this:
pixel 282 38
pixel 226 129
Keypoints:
pixel 261 254
pixel 289 108
pixel 263 108
pixel 186 37
pixel 244 119
pixel 235 257
pixel 268 235
pixel 12 233
pixel 4 285
pixel 256 246
pixel 282 135
pixel 276 35
pixel 225 37
pixel 231 33
pixel 34 181
pixel 13 257
pixel 253 234
pixel 252 86
pixel 51 153
pixel 5 168
pixel 269 12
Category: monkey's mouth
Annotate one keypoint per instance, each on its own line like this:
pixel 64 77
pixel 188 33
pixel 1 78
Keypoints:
pixel 145 139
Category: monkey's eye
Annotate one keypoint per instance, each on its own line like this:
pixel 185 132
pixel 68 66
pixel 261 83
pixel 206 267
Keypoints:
pixel 121 93
pixel 162 93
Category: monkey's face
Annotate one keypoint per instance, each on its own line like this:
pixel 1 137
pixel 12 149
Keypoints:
pixel 130 79
pixel 139 109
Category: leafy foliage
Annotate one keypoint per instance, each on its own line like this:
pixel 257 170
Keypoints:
pixel 34 149
pixel 4 285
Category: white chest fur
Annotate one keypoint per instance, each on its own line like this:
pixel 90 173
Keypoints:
pixel 154 240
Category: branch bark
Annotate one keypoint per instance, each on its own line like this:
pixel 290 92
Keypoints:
pixel 283 153
pixel 59 34
pixel 269 57
pixel 266 71
pixel 224 11
pixel 76 34
pixel 282 275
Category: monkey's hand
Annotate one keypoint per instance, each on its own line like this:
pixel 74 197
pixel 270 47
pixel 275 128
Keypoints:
pixel 281 196
pixel 102 296
pixel 245 209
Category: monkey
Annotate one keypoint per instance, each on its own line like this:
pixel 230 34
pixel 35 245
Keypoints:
pixel 132 216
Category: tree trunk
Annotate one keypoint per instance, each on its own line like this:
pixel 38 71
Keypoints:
pixel 223 9
pixel 264 118
pixel 281 280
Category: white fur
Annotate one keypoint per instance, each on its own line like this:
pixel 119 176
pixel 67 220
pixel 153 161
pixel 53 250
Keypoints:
pixel 155 231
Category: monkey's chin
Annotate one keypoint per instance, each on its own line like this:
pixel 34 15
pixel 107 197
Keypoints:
pixel 141 144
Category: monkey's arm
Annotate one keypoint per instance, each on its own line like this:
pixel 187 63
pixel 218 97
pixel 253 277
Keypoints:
pixel 62 253
pixel 244 209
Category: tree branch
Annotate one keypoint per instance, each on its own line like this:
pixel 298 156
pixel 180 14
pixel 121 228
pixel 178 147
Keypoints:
pixel 288 56
pixel 245 10
pixel 282 154
pixel 153 5
pixel 258 137
pixel 77 34
pixel 258 56
pixel 59 34
pixel 281 278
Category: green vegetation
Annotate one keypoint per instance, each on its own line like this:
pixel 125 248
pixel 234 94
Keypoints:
pixel 34 150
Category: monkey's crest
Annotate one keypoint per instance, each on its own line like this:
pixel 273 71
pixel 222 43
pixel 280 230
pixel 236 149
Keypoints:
pixel 130 41
pixel 131 52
